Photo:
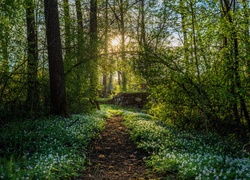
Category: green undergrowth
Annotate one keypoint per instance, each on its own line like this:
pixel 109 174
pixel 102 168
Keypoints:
pixel 185 154
pixel 52 148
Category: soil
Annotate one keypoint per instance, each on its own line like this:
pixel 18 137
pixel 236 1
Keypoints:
pixel 115 156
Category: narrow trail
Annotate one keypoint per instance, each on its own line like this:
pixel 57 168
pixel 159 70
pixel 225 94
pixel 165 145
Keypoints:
pixel 114 156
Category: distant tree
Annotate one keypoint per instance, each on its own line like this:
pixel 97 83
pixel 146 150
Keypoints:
pixel 56 68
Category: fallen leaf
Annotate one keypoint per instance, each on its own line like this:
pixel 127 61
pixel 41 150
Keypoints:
pixel 132 156
pixel 98 148
pixel 129 168
pixel 101 156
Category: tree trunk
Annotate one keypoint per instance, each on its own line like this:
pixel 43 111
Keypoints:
pixel 247 43
pixel 80 52
pixel 105 50
pixel 184 30
pixel 119 77
pixel 80 46
pixel 56 69
pixel 123 58
pixel 93 49
pixel 201 95
pixel 32 62
pixel 104 82
pixel 143 31
pixel 4 67
pixel 228 9
pixel 110 84
pixel 67 32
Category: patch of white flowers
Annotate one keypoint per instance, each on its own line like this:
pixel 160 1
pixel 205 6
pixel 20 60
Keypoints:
pixel 49 148
pixel 190 155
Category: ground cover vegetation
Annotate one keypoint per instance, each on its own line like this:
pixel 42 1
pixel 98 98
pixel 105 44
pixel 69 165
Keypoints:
pixel 186 154
pixel 51 148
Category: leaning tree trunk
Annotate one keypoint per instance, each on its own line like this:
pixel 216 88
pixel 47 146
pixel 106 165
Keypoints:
pixel 56 69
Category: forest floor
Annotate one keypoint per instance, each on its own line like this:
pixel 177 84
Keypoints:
pixel 115 156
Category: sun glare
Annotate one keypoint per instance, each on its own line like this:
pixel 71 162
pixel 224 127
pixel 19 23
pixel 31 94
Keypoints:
pixel 115 42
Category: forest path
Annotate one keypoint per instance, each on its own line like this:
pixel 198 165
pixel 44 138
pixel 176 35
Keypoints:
pixel 114 156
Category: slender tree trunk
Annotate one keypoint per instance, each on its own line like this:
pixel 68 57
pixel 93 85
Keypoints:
pixel 110 84
pixel 32 62
pixel 238 80
pixel 80 45
pixel 123 58
pixel 93 52
pixel 5 40
pixel 247 43
pixel 201 95
pixel 184 30
pixel 105 50
pixel 119 77
pixel 80 48
pixel 143 31
pixel 228 9
pixel 247 34
pixel 4 68
pixel 67 32
pixel 104 82
pixel 56 69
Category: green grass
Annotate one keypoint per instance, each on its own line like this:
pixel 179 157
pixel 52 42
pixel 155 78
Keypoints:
pixel 187 155
pixel 53 148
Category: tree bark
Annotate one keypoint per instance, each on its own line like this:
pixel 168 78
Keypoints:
pixel 80 52
pixel 67 32
pixel 93 49
pixel 201 95
pixel 228 10
pixel 123 58
pixel 110 83
pixel 56 68
pixel 105 50
pixel 32 62
pixel 184 31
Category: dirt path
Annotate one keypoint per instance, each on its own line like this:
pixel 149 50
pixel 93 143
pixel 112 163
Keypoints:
pixel 114 156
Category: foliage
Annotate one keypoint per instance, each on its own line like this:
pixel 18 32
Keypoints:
pixel 200 83
pixel 187 154
pixel 193 57
pixel 52 148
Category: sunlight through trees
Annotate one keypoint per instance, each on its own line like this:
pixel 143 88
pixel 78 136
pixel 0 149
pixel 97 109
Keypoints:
pixel 191 56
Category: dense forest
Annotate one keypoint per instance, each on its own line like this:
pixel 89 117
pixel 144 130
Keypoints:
pixel 192 56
